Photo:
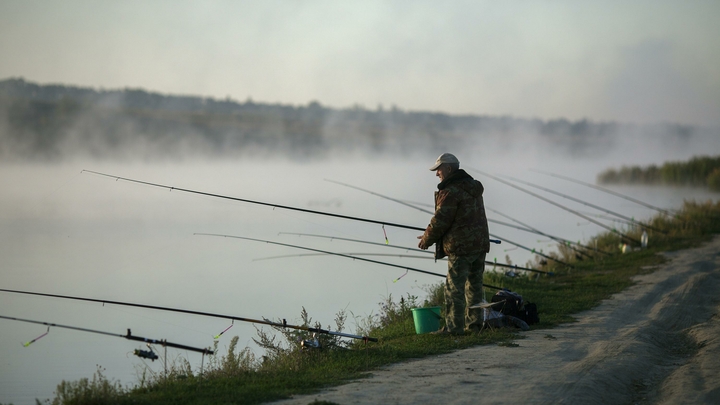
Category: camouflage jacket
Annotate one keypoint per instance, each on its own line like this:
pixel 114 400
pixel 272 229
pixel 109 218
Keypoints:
pixel 459 226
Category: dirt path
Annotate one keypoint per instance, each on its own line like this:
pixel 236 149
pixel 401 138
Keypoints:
pixel 658 342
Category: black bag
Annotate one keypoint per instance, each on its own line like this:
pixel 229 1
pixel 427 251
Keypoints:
pixel 509 303
pixel 512 304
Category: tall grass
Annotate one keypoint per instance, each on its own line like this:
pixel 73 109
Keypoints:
pixel 698 171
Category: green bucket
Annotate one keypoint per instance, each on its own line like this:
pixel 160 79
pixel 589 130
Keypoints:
pixel 426 319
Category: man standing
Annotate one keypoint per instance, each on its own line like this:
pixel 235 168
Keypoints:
pixel 459 231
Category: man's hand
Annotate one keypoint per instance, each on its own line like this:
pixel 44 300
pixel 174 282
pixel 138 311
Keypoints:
pixel 422 244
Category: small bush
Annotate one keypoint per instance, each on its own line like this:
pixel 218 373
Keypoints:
pixel 98 391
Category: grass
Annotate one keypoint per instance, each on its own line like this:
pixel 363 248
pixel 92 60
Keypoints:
pixel 698 171
pixel 287 369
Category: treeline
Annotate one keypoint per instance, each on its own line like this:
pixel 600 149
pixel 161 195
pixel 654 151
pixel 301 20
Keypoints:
pixel 698 171
pixel 57 121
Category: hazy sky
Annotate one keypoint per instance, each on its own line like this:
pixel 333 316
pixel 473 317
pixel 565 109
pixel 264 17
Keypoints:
pixel 636 61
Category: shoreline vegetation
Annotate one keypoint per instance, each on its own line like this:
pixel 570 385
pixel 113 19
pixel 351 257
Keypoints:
pixel 699 171
pixel 286 369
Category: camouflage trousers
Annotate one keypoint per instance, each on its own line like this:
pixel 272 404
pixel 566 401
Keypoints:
pixel 463 289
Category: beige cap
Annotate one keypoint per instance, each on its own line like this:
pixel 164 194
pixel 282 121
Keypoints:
pixel 445 158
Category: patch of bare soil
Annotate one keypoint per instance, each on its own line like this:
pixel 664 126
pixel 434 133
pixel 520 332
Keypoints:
pixel 658 342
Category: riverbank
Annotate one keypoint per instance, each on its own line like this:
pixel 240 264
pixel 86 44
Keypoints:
pixel 609 338
pixel 654 343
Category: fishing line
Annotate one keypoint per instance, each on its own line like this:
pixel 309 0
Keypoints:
pixel 63 185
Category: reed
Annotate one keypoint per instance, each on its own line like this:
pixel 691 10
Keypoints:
pixel 698 171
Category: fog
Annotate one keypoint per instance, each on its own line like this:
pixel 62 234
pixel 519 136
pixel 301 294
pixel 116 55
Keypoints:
pixel 64 231
pixel 395 85
pixel 642 61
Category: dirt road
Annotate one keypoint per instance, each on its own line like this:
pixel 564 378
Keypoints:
pixel 658 342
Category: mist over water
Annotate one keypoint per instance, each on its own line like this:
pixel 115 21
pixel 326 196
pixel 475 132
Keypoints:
pixel 73 233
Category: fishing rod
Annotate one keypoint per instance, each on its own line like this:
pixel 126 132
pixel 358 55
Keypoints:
pixel 407 249
pixel 128 335
pixel 510 266
pixel 284 323
pixel 607 217
pixel 415 205
pixel 372 221
pixel 577 200
pixel 432 213
pixel 335 254
pixel 351 254
pixel 559 206
pixel 606 190
pixel 525 227
pixel 558 239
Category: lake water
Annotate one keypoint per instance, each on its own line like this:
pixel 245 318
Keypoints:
pixel 72 233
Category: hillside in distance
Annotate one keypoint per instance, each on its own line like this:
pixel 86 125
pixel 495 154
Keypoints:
pixel 55 122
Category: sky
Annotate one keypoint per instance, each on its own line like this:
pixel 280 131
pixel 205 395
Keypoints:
pixel 627 61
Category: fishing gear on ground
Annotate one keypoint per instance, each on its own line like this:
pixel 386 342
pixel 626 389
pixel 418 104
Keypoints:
pixel 507 308
pixel 128 335
pixel 284 324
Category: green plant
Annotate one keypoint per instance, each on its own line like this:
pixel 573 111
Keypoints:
pixel 99 390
